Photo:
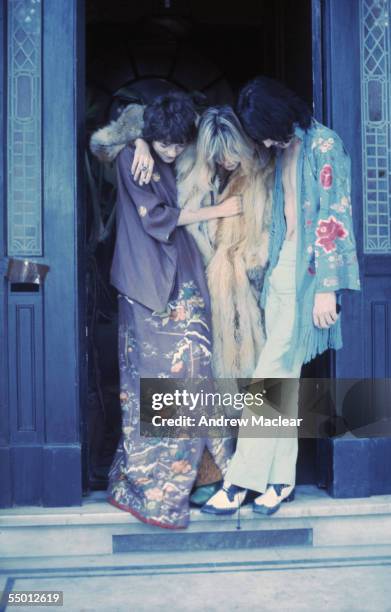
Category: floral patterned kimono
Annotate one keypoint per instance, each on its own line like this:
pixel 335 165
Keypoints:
pixel 326 248
pixel 164 331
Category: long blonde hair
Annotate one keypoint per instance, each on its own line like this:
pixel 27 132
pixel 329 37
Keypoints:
pixel 221 138
pixel 231 246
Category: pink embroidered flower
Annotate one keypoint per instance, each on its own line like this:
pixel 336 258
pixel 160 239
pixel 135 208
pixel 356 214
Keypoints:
pixel 181 467
pixel 326 145
pixel 142 481
pixel 326 176
pixel 178 314
pixel 154 494
pixel 328 231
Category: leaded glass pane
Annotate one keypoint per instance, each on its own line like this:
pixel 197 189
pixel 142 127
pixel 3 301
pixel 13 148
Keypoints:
pixel 24 136
pixel 376 125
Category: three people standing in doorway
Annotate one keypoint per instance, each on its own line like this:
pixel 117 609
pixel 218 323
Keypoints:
pixel 311 260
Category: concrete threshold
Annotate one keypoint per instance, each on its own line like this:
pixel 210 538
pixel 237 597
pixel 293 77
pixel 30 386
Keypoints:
pixel 313 520
pixel 309 502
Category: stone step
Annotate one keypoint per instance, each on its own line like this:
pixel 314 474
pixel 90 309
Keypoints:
pixel 212 540
pixel 141 562
pixel 97 528
pixel 287 578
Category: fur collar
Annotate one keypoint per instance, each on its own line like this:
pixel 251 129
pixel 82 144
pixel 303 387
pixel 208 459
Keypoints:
pixel 109 141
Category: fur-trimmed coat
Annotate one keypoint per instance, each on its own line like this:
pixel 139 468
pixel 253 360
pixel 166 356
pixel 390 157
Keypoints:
pixel 234 248
pixel 235 253
pixel 109 141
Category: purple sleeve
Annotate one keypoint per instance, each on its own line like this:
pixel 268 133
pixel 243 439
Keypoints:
pixel 158 218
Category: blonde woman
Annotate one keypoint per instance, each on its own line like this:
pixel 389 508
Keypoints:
pixel 225 164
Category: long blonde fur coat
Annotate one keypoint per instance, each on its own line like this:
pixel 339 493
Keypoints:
pixel 232 247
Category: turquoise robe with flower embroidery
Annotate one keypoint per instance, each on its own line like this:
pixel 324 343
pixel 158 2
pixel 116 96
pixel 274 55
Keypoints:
pixel 326 249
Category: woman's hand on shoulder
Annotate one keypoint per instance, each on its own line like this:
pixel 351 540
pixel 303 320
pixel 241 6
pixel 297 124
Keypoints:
pixel 143 163
pixel 230 207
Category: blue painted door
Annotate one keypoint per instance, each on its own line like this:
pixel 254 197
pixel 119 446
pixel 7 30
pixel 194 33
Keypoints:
pixel 356 103
pixel 356 68
pixel 41 339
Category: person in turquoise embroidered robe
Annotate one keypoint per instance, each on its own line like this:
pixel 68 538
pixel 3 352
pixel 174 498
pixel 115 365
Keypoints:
pixel 326 258
pixel 312 260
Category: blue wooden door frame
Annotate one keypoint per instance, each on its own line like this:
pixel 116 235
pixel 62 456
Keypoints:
pixel 5 482
pixel 337 95
pixel 342 109
pixel 42 348
pixel 354 467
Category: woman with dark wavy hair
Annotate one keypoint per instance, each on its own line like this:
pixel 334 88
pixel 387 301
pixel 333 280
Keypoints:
pixel 164 311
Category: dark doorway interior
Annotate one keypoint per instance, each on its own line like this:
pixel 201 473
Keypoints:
pixel 135 51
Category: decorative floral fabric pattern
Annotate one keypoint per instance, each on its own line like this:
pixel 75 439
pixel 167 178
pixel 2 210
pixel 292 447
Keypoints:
pixel 326 176
pixel 152 477
pixel 329 231
pixel 326 255
pixel 188 313
pixel 331 210
pixel 164 332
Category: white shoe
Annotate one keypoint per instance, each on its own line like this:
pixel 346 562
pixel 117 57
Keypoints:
pixel 270 501
pixel 226 501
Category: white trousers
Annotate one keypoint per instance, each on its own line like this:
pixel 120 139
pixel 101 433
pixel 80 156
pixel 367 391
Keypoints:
pixel 259 461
